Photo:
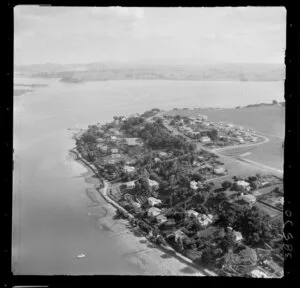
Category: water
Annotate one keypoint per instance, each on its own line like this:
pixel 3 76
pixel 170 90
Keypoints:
pixel 51 224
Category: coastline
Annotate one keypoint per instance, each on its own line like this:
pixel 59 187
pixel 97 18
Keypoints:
pixel 168 259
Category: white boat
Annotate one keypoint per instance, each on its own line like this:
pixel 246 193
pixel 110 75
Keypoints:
pixel 80 256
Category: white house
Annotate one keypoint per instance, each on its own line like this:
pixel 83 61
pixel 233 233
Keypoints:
pixel 114 150
pixel 219 170
pixel 153 184
pixel 240 140
pixel 153 211
pixel 162 154
pixel 205 139
pixel 281 200
pixel 113 138
pixel 130 184
pixel 205 220
pixel 128 169
pixel 258 274
pixel 238 236
pixel 248 198
pixel 192 212
pixel 161 219
pixel 243 184
pixel 202 117
pixel 153 201
pixel 193 185
pixel 156 160
pixel 179 235
pixel 103 148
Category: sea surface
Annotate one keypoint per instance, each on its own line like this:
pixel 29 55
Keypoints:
pixel 51 224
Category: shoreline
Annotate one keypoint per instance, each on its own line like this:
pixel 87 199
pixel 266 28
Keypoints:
pixel 201 271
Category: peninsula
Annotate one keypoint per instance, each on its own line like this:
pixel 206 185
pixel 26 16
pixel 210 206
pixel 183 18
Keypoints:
pixel 166 175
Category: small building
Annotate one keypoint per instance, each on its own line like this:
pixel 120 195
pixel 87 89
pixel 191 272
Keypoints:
pixel 201 158
pixel 264 184
pixel 114 150
pixel 153 184
pixel 240 139
pixel 129 169
pixel 153 201
pixel 156 160
pixel 133 141
pixel 281 200
pixel 192 213
pixel 205 220
pixel 100 140
pixel 194 185
pixel 202 117
pixel 205 139
pixel 179 235
pixel 116 155
pixel 243 184
pixel 103 148
pixel 161 219
pixel 135 204
pixel 258 274
pixel 248 198
pixel 219 170
pixel 162 154
pixel 113 138
pixel 153 211
pixel 130 184
pixel 238 236
pixel 196 164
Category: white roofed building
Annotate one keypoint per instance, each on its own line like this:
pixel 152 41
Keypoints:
pixel 130 184
pixel 153 211
pixel 153 201
pixel 205 139
pixel 153 184
pixel 243 184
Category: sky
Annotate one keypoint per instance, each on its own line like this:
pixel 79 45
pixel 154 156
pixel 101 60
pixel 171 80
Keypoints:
pixel 68 35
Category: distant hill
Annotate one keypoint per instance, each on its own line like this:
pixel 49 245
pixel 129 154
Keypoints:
pixel 156 70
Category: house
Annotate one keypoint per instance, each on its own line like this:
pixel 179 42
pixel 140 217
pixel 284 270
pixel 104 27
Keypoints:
pixel 128 169
pixel 202 117
pixel 240 140
pixel 162 154
pixel 238 236
pixel 205 220
pixel 153 184
pixel 192 212
pixel 135 204
pixel 179 235
pixel 193 185
pixel 103 148
pixel 114 150
pixel 219 171
pixel 258 274
pixel 113 138
pixel 264 184
pixel 161 219
pixel 153 211
pixel 153 201
pixel 130 184
pixel 243 184
pixel 156 160
pixel 281 200
pixel 116 155
pixel 100 140
pixel 201 158
pixel 133 141
pixel 205 139
pixel 196 164
pixel 248 198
